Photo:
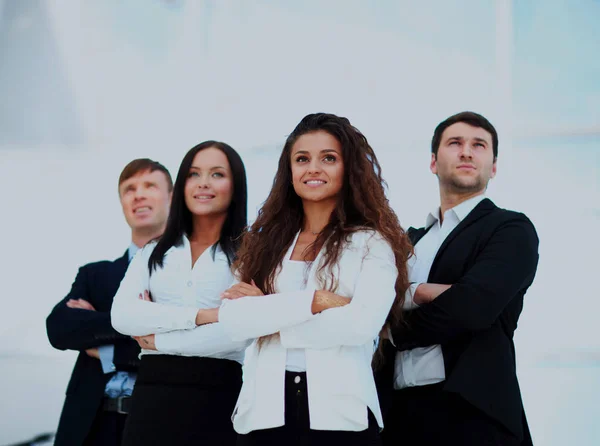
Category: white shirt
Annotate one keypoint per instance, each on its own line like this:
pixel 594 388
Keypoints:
pixel 178 291
pixel 293 278
pixel 422 366
pixel 338 342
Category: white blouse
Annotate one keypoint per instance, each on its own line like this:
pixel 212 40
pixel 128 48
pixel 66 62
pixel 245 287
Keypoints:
pixel 293 277
pixel 178 291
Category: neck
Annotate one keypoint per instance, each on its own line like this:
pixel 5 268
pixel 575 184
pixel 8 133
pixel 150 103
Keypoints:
pixel 316 215
pixel 141 236
pixel 206 229
pixel 450 199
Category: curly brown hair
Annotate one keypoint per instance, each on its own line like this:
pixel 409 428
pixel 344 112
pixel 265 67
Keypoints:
pixel 361 204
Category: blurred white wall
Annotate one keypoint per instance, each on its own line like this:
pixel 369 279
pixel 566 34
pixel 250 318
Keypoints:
pixel 88 86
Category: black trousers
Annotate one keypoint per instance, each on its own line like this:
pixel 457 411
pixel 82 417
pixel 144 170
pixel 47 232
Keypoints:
pixel 183 401
pixel 429 416
pixel 107 429
pixel 297 431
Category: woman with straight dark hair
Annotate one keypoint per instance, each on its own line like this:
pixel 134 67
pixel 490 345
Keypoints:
pixel 319 270
pixel 190 375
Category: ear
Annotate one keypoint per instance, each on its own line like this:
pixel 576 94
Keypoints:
pixel 433 164
pixel 494 166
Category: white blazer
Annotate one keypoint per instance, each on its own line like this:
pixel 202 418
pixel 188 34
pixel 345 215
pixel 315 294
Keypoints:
pixel 338 343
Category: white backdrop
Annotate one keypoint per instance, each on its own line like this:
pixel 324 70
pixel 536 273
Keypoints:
pixel 88 86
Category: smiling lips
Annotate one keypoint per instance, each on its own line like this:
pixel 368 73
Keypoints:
pixel 142 210
pixel 204 197
pixel 315 183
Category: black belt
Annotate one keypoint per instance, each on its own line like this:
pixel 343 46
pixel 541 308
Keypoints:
pixel 120 405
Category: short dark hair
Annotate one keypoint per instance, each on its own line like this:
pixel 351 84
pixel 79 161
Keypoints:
pixel 180 221
pixel 471 118
pixel 144 165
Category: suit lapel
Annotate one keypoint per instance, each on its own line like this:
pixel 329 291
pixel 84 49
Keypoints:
pixel 121 264
pixel 481 210
pixel 414 235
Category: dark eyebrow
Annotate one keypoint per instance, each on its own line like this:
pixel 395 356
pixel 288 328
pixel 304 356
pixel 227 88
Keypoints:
pixel 457 138
pixel 212 168
pixel 481 140
pixel 305 152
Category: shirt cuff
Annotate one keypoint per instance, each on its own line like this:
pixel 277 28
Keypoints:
pixel 107 354
pixel 409 302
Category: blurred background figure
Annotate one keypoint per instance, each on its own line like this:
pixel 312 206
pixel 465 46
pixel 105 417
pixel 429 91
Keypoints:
pixel 88 86
pixel 98 398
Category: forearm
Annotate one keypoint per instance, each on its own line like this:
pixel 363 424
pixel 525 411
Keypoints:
pixel 209 340
pixel 255 316
pixel 75 329
pixel 503 270
pixel 136 317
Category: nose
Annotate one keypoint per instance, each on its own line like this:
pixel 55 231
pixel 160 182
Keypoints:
pixel 314 167
pixel 140 193
pixel 466 151
pixel 203 182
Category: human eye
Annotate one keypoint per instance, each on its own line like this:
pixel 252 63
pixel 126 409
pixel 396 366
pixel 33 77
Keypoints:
pixel 330 159
pixel 192 174
pixel 301 159
pixel 218 175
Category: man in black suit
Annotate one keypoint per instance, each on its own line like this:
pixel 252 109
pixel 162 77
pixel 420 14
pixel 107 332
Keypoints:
pixel 97 399
pixel 450 375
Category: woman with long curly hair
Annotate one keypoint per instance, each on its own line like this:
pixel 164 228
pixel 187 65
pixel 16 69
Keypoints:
pixel 319 271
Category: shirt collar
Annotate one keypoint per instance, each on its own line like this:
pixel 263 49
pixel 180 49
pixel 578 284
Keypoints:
pixel 132 250
pixel 461 210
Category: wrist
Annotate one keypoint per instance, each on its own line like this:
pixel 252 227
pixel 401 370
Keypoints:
pixel 317 302
pixel 207 316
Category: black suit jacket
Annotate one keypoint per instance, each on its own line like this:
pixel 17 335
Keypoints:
pixel 490 259
pixel 75 329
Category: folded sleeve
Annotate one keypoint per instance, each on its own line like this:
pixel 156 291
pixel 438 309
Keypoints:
pixel 361 320
pixel 209 340
pixel 251 317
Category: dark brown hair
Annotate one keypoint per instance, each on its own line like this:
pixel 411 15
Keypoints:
pixel 470 118
pixel 361 204
pixel 141 165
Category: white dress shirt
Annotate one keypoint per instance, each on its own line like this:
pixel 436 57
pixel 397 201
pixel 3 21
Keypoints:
pixel 338 343
pixel 422 366
pixel 178 291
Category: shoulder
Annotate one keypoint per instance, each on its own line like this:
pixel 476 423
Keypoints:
pixel 370 241
pixel 506 216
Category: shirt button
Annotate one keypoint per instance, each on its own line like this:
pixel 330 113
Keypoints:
pixel 297 379
pixel 190 283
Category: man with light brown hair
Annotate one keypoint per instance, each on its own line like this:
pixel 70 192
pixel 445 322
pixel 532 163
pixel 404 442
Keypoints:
pixel 98 395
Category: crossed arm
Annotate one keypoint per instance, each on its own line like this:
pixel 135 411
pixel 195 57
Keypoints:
pixel 504 267
pixel 74 324
pixel 304 319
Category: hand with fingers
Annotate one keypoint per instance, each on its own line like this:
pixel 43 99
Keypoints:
pixel 146 342
pixel 242 289
pixel 146 296
pixel 80 304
